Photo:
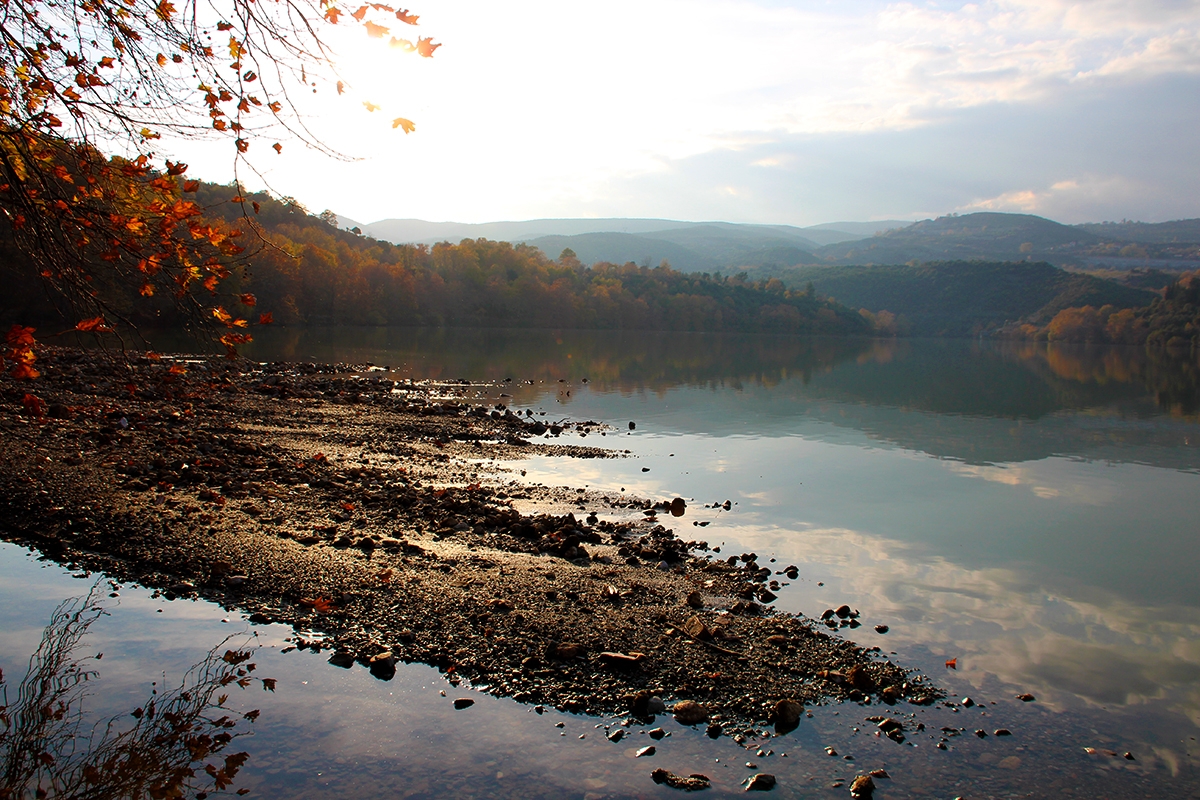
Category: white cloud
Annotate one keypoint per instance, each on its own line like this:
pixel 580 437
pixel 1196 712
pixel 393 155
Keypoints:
pixel 547 108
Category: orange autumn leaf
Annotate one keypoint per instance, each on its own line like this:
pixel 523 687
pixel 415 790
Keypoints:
pixel 406 17
pixel 348 506
pixel 332 14
pixel 191 186
pixel 341 87
pixel 406 124
pixel 375 31
pixel 362 12
pixel 24 372
pixel 248 299
pixel 224 26
pixel 222 315
pixel 93 325
pixel 278 148
pixel 425 47
pixel 177 369
pixel 265 318
pixel 367 104
pixel 19 336
pixel 952 663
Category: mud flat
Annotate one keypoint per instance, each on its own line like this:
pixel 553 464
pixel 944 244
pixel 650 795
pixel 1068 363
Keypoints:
pixel 377 519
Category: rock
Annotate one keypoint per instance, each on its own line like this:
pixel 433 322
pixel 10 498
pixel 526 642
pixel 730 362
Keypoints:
pixel 236 580
pixel 777 641
pixel 566 651
pixel 1002 732
pixel 967 702
pixel 786 715
pixel 862 787
pixel 827 614
pixel 860 679
pixel 714 731
pixel 882 628
pixel 648 750
pixel 181 587
pixel 842 611
pixel 695 600
pixel 762 782
pixel 691 783
pixel 879 773
pixel 656 706
pixel 689 712
pixel 678 506
pixel 383 665
pixel 632 425
pixel 463 702
pixel 617 735
pixel 889 724
pixel 1026 698
pixel 696 629
pixel 621 659
pixel 342 659
pixel 656 734
pixel 890 694
pixel 982 734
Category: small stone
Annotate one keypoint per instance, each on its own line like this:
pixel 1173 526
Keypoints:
pixel 786 715
pixel 691 783
pixel 982 734
pixel 879 773
pixel 1026 698
pixel 1002 732
pixel 236 580
pixel 762 782
pixel 617 735
pixel 689 712
pixel 656 734
pixel 463 702
pixel 862 787
pixel 678 506
pixel 695 600
pixel 842 611
pixel 1129 756
pixel 648 750
pixel 967 702
pixel 714 731
pixel 342 659
pixel 656 706
pixel 890 724
pixel 882 628
pixel 696 629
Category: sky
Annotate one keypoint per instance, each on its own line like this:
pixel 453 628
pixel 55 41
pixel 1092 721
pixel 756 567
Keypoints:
pixel 777 111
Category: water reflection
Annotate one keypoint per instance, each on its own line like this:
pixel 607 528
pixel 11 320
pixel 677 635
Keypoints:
pixel 1064 644
pixel 171 745
pixel 1021 379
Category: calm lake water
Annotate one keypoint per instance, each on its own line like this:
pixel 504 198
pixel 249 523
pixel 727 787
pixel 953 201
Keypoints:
pixel 1029 511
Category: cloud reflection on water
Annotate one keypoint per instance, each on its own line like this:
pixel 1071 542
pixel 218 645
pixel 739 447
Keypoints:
pixel 1065 645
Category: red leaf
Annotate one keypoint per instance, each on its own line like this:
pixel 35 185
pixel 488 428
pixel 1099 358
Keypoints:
pixel 248 300
pixel 191 186
pixel 265 318
pixel 952 663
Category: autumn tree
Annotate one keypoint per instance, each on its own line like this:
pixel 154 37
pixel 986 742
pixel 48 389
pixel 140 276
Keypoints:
pixel 88 91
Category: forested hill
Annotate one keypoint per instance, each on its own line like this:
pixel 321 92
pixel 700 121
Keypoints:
pixel 963 298
pixel 306 271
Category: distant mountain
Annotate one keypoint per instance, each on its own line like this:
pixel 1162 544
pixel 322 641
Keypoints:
pixel 621 248
pixel 963 298
pixel 987 236
pixel 835 232
pixel 1180 231
pixel 418 231
pixel 696 248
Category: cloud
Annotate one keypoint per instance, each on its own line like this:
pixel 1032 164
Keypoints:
pixel 808 111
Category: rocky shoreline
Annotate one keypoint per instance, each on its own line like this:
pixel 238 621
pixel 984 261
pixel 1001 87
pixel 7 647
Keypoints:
pixel 376 518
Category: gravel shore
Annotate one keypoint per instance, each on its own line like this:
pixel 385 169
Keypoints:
pixel 378 519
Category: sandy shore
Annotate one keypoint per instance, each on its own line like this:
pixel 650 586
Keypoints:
pixel 371 516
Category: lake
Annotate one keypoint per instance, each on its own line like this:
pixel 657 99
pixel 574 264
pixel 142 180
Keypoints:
pixel 1027 512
